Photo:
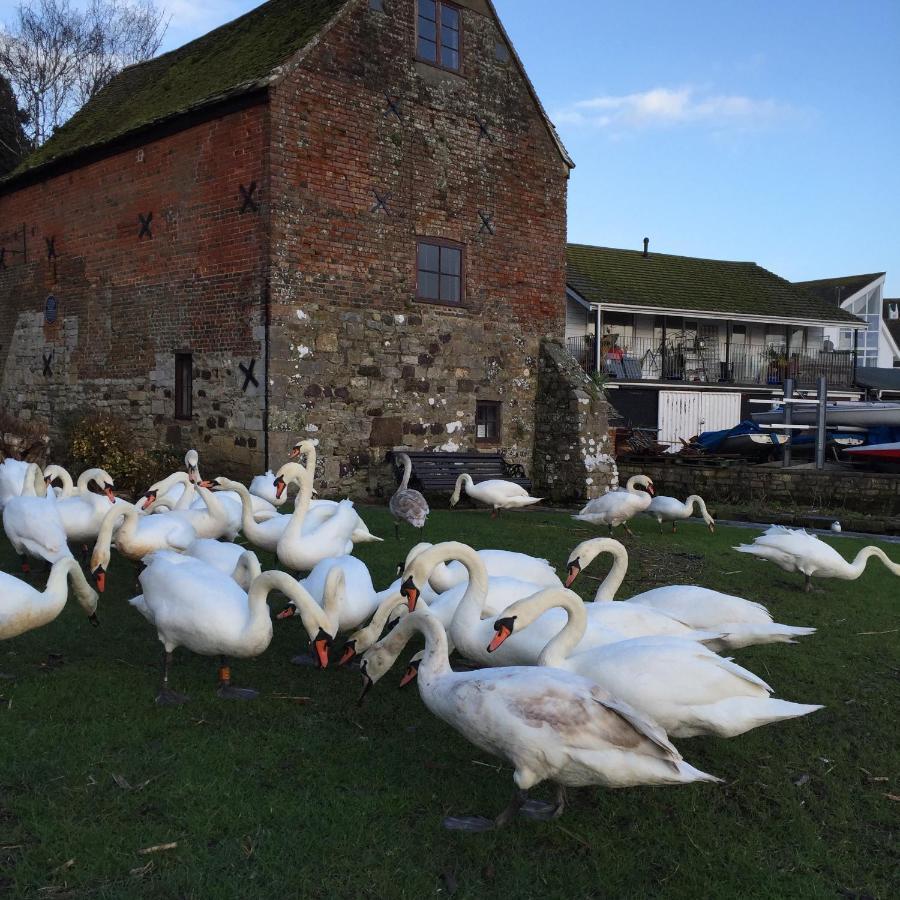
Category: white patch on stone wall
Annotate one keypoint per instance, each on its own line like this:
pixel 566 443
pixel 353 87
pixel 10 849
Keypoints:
pixel 449 447
pixel 301 350
pixel 398 319
pixel 453 427
pixel 312 428
pixel 301 315
pixel 431 401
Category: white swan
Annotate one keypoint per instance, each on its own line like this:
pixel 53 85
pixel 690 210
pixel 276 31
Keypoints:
pixel 24 608
pixel 795 550
pixel 617 507
pixel 136 537
pixel 299 548
pixel 741 623
pixel 320 510
pixel 407 504
pixel 471 633
pixel 194 605
pixel 32 523
pixel 497 562
pixel 210 515
pixel 671 509
pixel 13 473
pixel 80 509
pixel 263 486
pixel 549 724
pixel 495 492
pixel 679 684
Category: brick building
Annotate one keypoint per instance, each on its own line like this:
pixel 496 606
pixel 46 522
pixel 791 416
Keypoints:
pixel 342 219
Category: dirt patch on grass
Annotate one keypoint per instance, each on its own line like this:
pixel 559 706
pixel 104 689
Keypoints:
pixel 655 566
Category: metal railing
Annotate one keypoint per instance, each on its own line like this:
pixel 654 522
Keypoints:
pixel 713 362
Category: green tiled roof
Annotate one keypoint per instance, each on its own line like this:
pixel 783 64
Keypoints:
pixel 836 290
pixel 660 281
pixel 233 59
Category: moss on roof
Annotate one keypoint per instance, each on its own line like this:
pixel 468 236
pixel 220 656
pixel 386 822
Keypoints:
pixel 661 281
pixel 836 290
pixel 231 60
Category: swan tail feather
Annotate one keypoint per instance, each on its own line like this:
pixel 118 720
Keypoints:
pixel 738 715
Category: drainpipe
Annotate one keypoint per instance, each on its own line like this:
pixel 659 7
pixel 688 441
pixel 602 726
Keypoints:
pixel 728 352
pixel 596 338
pixel 855 350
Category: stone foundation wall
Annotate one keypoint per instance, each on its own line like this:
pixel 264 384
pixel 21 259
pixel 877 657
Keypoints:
pixel 756 486
pixel 572 461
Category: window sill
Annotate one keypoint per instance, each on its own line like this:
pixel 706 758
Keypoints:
pixel 445 303
pixel 435 65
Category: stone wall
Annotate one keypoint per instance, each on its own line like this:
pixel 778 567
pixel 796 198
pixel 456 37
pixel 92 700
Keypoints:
pixel 572 461
pixel 757 486
pixel 356 361
pixel 126 301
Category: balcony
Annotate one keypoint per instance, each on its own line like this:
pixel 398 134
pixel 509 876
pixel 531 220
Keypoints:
pixel 712 362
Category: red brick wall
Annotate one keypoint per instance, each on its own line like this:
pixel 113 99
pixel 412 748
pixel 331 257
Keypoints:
pixel 126 304
pixel 356 360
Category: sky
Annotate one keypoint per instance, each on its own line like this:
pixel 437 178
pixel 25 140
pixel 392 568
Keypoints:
pixel 764 130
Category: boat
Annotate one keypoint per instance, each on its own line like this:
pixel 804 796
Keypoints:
pixel 877 452
pixel 850 415
pixel 753 443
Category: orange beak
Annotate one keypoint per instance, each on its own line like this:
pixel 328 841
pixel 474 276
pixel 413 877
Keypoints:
pixel 294 454
pixel 279 487
pixel 503 632
pixel 149 498
pixel 411 672
pixel 574 569
pixel 110 495
pixel 409 590
pixel 320 645
pixel 287 612
pixel 100 579
pixel 348 654
pixel 650 489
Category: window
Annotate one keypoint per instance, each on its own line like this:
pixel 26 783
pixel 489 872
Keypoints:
pixel 439 272
pixel 438 27
pixel 487 421
pixel 184 386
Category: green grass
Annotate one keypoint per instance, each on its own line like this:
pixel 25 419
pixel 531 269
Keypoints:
pixel 281 798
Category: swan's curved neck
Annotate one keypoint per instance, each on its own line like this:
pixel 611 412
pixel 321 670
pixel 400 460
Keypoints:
pixel 631 484
pixel 700 503
pixel 56 593
pixel 83 485
pixel 301 506
pixel 247 568
pixel 476 593
pixel 436 661
pixel 564 642
pixel 616 575
pixel 68 487
pixel 368 635
pixel 859 563
pixel 126 533
pixel 312 615
pixel 407 473
pixel 249 525
pixel 464 481
pixel 34 485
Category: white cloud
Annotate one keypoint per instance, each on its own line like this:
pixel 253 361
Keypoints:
pixel 668 107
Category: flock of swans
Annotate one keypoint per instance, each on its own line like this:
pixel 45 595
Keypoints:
pixel 568 692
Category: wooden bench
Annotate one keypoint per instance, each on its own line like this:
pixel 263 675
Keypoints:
pixel 437 472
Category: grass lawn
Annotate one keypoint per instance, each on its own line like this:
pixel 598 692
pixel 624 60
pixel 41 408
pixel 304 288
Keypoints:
pixel 315 798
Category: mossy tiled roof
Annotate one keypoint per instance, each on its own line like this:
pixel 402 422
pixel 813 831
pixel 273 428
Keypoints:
pixel 660 281
pixel 233 59
pixel 836 290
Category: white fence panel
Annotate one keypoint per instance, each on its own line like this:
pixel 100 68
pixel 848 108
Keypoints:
pixel 684 414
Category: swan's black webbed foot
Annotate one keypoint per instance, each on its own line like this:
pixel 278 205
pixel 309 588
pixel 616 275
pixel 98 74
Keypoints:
pixel 230 692
pixel 307 660
pixel 168 697
pixel 469 823
pixel 539 811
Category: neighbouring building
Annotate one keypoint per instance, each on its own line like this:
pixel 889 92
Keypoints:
pixel 341 219
pixel 684 343
pixel 891 316
pixel 861 295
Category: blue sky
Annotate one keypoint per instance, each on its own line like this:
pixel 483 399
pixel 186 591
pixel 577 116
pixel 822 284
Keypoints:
pixel 765 130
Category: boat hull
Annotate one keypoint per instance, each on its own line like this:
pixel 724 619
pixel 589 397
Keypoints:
pixel 855 415
pixel 879 452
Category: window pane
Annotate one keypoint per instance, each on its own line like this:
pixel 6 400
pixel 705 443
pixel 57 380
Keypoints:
pixel 450 59
pixel 449 18
pixel 427 30
pixel 427 50
pixel 429 255
pixel 449 40
pixel 450 288
pixel 450 261
pixel 426 10
pixel 428 286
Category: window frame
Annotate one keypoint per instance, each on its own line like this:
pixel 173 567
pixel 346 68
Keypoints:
pixel 452 245
pixel 182 415
pixel 437 63
pixel 497 405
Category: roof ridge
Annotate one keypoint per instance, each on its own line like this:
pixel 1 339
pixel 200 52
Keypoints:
pixel 839 278
pixel 652 253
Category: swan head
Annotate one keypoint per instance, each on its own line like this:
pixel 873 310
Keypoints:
pixel 411 592
pixel 504 628
pixel 586 552
pixel 412 670
pixel 280 487
pixel 320 645
pixel 147 499
pixel 644 482
pixel 192 465
pixel 348 652
pixel 302 448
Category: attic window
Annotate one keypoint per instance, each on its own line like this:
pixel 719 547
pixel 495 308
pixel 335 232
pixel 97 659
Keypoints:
pixel 438 33
pixel 376 5
pixel 501 52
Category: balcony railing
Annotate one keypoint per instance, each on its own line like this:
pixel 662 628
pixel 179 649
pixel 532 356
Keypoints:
pixel 713 362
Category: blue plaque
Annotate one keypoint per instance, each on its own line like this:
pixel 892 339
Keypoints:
pixel 50 308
